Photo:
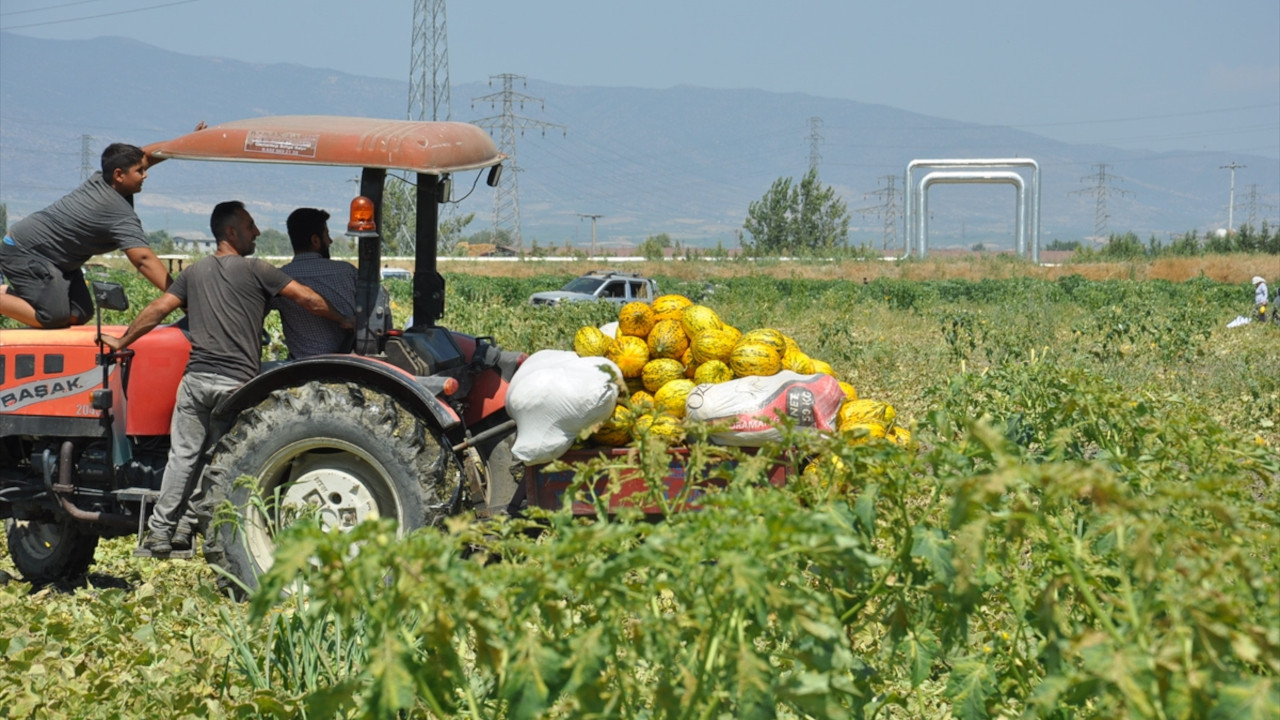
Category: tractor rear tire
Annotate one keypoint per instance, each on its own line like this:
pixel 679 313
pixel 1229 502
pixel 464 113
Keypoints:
pixel 46 551
pixel 339 449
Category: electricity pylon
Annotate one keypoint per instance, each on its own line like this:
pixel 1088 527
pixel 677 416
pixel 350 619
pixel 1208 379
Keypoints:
pixel 1101 191
pixel 815 140
pixel 506 199
pixel 886 210
pixel 429 65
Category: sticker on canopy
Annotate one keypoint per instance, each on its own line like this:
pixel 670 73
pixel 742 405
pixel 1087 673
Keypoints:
pixel 281 143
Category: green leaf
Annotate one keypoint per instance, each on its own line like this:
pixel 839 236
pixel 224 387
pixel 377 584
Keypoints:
pixel 920 648
pixel 1248 700
pixel 971 684
pixel 931 546
pixel 391 688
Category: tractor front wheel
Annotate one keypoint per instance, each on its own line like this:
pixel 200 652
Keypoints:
pixel 337 450
pixel 48 550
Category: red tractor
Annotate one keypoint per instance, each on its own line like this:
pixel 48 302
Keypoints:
pixel 411 426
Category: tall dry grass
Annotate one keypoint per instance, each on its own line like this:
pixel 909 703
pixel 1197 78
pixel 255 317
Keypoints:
pixel 966 266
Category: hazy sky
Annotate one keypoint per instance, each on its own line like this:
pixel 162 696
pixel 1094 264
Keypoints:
pixel 1155 74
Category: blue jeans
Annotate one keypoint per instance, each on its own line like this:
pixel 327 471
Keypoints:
pixel 198 395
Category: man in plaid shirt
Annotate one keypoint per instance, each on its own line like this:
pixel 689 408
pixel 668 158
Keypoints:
pixel 335 280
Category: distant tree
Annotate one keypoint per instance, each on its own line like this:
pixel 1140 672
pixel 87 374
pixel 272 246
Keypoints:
pixel 807 218
pixel 161 242
pixel 1061 245
pixel 4 217
pixel 979 247
pixel 274 242
pixel 400 221
pixel 654 247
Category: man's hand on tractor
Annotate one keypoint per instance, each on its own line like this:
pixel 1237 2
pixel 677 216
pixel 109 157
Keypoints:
pixel 110 341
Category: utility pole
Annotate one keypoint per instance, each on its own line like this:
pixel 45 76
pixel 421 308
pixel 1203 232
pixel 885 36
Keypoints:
pixel 506 199
pixel 815 139
pixel 887 210
pixel 86 159
pixel 593 229
pixel 1100 191
pixel 429 63
pixel 1231 204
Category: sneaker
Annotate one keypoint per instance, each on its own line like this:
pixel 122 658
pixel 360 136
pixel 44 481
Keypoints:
pixel 160 544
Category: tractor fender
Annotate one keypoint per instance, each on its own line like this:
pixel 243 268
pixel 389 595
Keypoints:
pixel 415 392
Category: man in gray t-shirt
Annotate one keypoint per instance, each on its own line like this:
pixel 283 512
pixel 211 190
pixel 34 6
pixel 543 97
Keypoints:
pixel 41 256
pixel 226 297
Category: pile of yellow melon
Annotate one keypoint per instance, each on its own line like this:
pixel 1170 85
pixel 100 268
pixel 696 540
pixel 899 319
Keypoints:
pixel 667 348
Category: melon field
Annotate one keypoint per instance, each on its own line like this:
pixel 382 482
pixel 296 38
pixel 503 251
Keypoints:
pixel 1086 524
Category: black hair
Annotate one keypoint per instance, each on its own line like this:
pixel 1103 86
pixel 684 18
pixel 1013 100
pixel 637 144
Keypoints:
pixel 120 156
pixel 304 223
pixel 223 214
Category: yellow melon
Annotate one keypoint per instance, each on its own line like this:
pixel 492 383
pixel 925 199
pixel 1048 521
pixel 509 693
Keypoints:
pixel 734 333
pixel 861 432
pixel 855 412
pixel 670 307
pixel 712 371
pixel 712 345
pixel 696 318
pixel 796 361
pixel 641 400
pixel 617 429
pixel 822 367
pixel 629 353
pixel 849 392
pixel 660 371
pixel 667 340
pixel 754 358
pixel 900 435
pixel 667 428
pixel 671 397
pixel 768 336
pixel 635 319
pixel 590 342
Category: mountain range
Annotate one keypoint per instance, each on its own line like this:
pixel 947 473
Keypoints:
pixel 685 161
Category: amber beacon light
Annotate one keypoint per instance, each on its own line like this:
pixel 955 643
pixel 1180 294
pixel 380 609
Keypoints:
pixel 361 223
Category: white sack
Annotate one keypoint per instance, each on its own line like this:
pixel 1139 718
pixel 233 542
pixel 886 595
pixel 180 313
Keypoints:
pixel 752 405
pixel 610 330
pixel 554 396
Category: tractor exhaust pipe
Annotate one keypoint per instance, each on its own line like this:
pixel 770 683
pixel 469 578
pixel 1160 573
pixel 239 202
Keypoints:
pixel 71 509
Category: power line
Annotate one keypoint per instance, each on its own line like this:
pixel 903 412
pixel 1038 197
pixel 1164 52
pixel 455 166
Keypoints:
pixel 49 7
pixel 102 15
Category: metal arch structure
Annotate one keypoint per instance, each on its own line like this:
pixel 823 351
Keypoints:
pixel 975 176
pixel 1029 206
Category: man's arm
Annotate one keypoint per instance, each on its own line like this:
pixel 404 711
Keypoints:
pixel 145 322
pixel 150 267
pixel 312 302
